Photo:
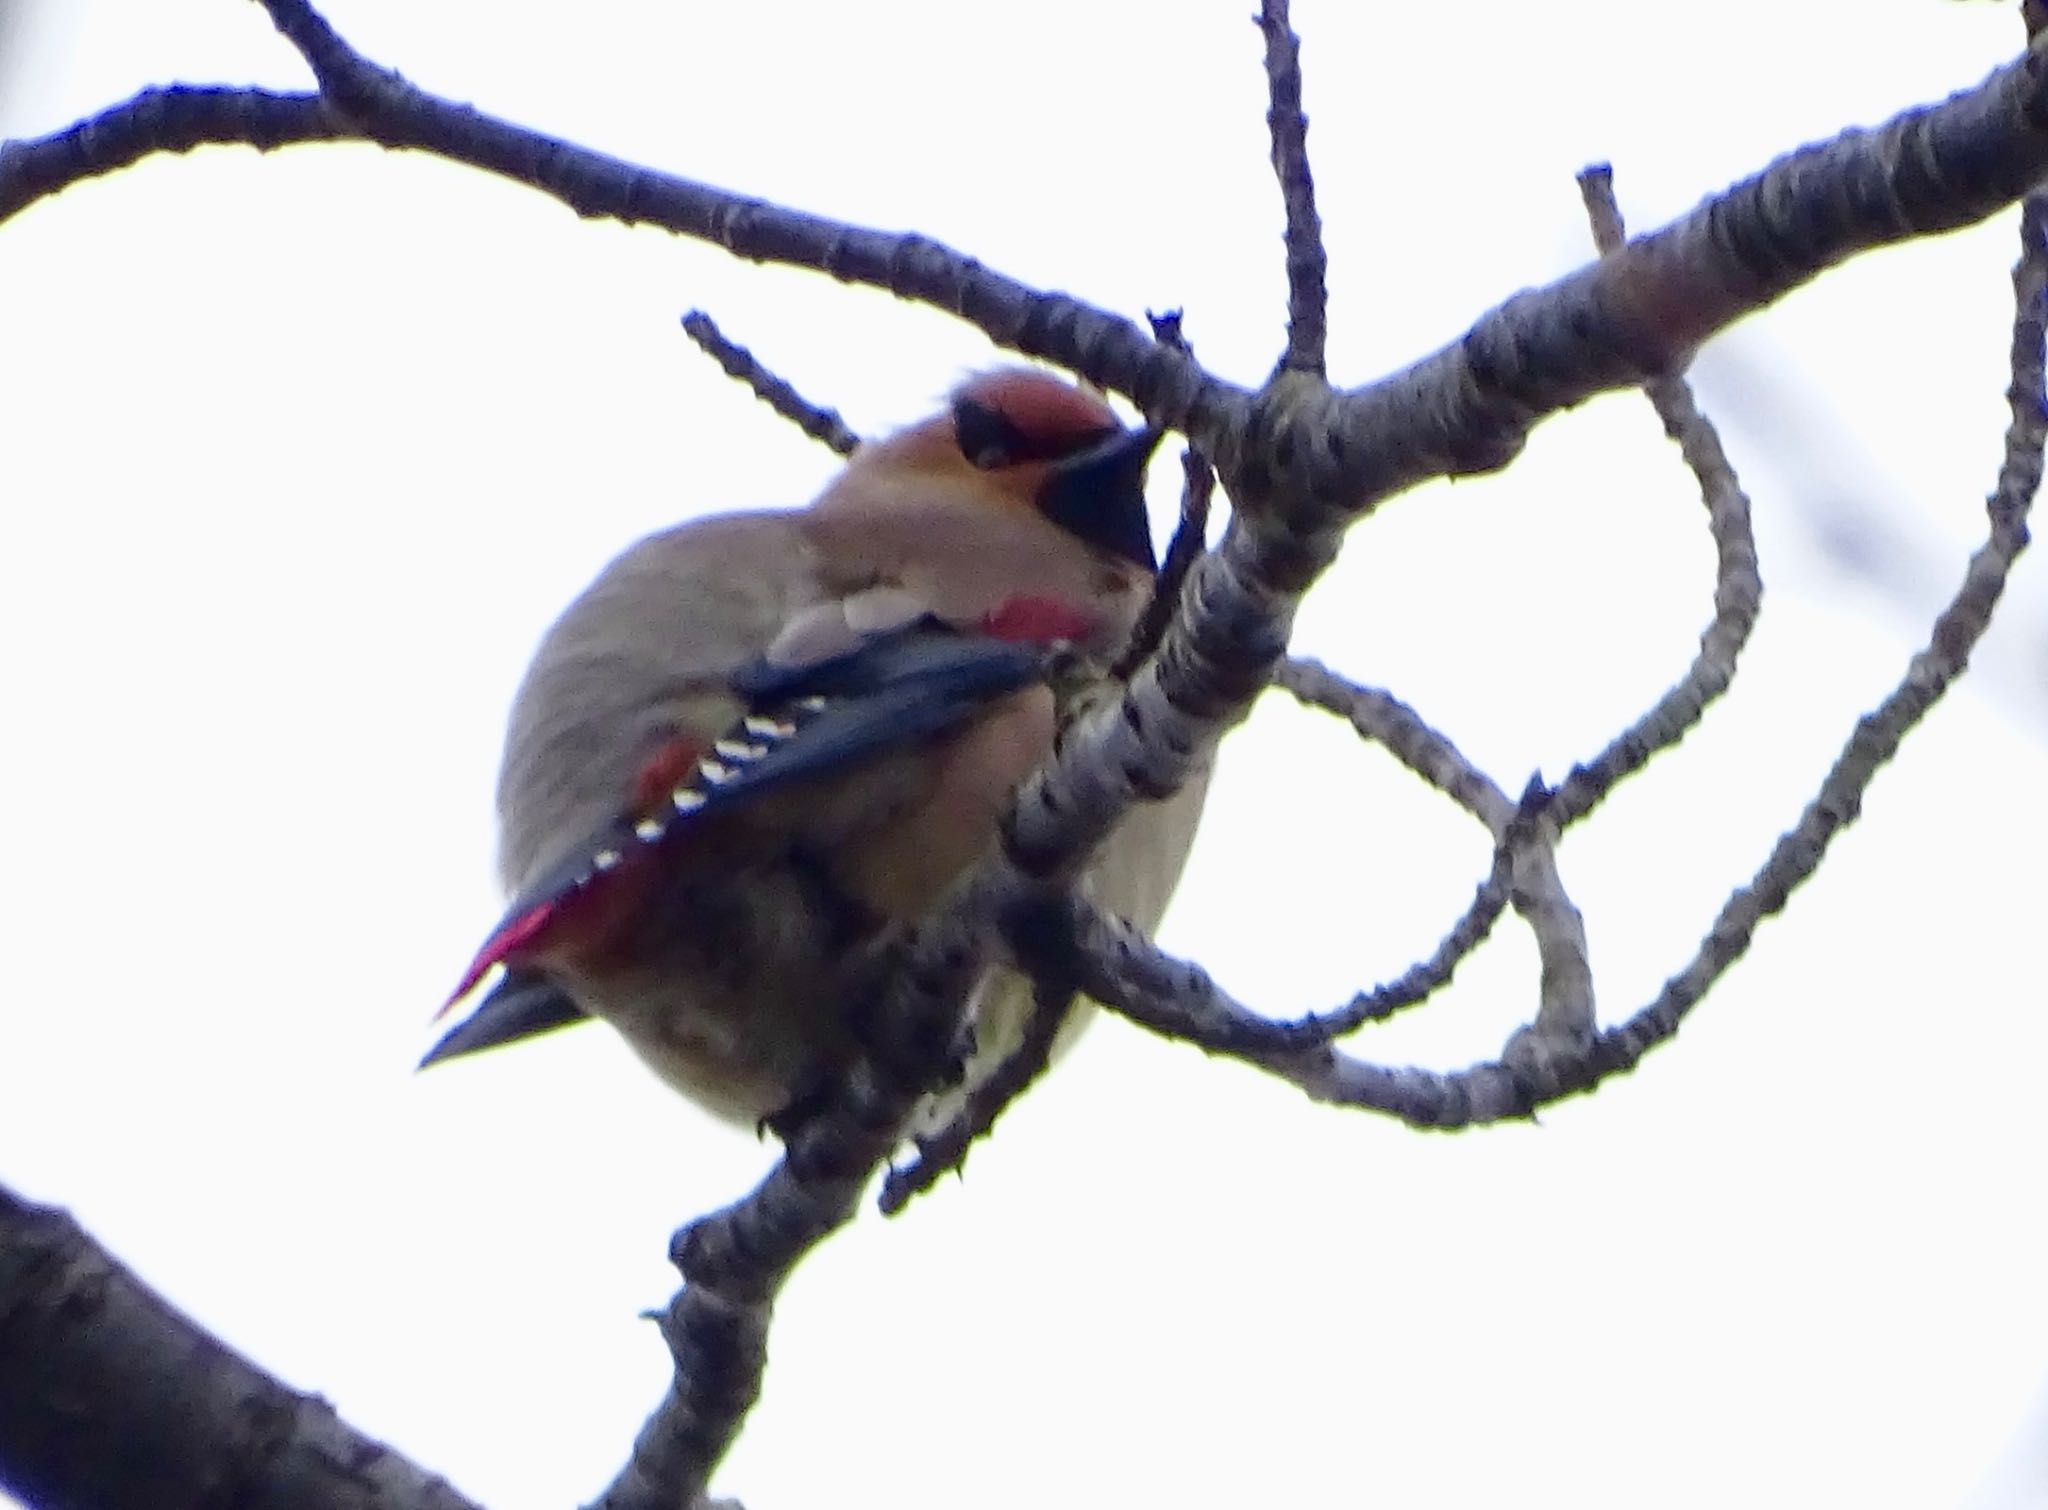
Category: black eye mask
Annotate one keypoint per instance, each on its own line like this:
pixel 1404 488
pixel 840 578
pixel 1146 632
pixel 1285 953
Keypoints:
pixel 1096 492
pixel 990 439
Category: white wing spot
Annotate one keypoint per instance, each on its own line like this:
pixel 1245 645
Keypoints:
pixel 768 728
pixel 647 830
pixel 606 859
pixel 739 749
pixel 685 800
pixel 717 772
pixel 881 608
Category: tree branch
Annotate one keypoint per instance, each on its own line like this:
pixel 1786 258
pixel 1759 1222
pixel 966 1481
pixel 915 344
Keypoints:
pixel 110 1398
pixel 1466 409
pixel 1128 974
pixel 175 118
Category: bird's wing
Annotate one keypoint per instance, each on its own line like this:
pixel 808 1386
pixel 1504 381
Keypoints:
pixel 896 688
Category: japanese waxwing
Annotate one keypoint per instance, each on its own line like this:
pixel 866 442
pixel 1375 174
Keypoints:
pixel 760 742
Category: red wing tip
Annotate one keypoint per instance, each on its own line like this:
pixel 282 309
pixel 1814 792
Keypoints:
pixel 498 949
pixel 476 972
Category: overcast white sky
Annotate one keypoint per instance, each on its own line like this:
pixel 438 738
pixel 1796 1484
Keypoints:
pixel 302 452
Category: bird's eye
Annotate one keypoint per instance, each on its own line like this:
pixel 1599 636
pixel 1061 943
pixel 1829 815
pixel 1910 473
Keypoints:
pixel 990 439
pixel 986 438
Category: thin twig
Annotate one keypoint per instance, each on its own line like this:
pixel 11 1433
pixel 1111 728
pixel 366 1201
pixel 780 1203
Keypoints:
pixel 1565 1016
pixel 1190 535
pixel 1427 976
pixel 1308 263
pixel 1383 719
pixel 945 1150
pixel 735 1261
pixel 816 421
pixel 1738 587
pixel 1124 971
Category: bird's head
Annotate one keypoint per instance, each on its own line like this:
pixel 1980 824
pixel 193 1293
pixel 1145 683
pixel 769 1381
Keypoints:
pixel 1022 439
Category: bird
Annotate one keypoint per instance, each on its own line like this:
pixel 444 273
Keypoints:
pixel 760 745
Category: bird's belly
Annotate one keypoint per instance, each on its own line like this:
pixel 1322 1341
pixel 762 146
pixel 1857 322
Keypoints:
pixel 737 995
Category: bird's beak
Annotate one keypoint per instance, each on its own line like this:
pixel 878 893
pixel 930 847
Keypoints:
pixel 1098 495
